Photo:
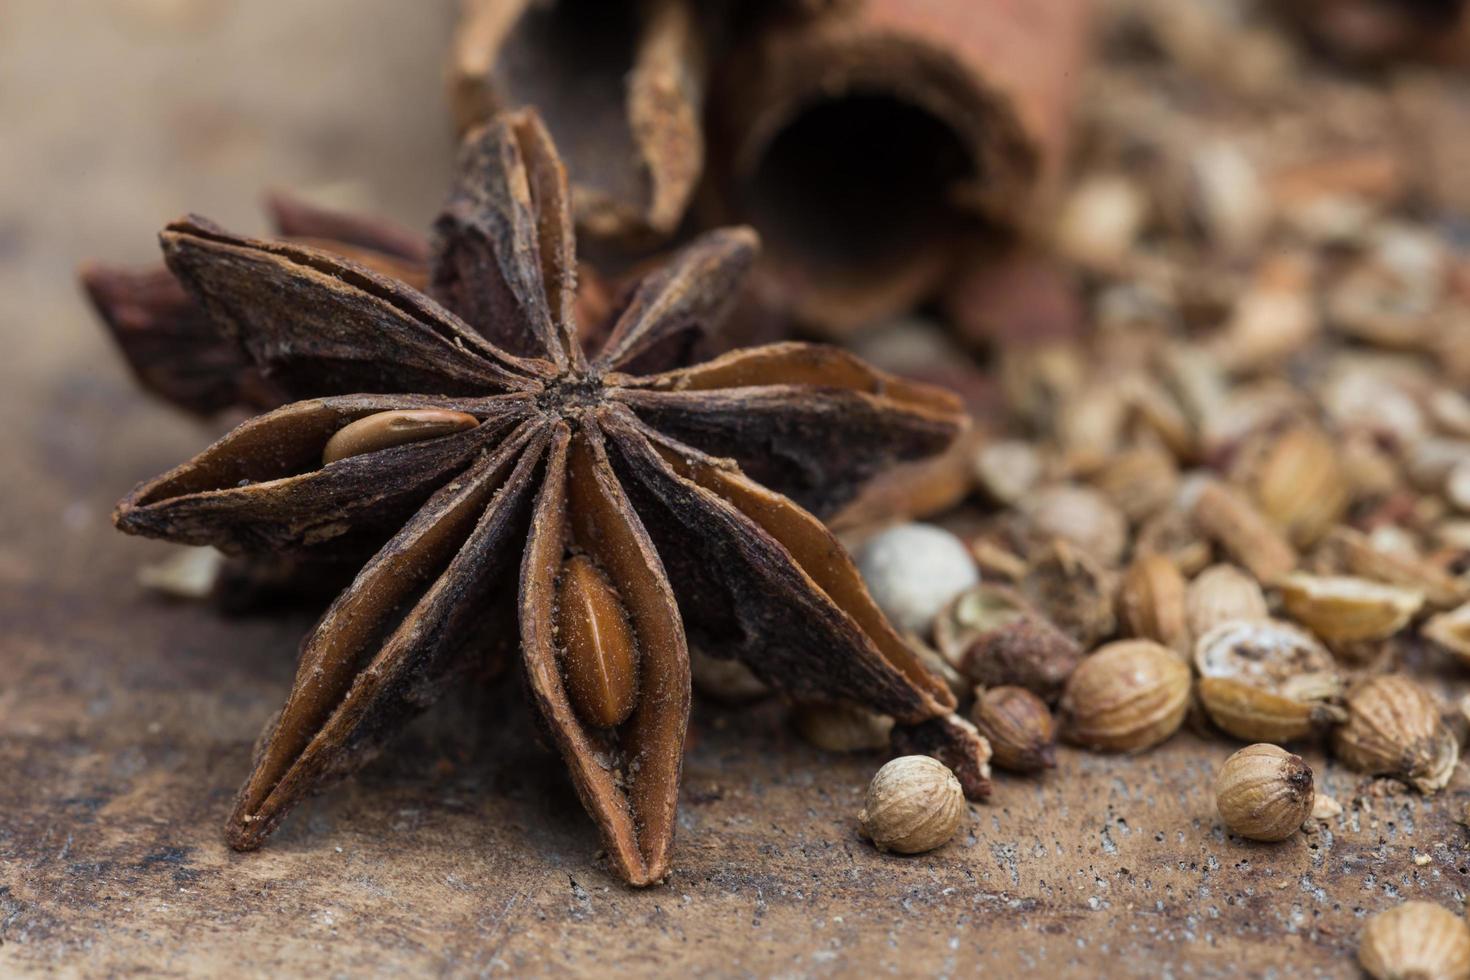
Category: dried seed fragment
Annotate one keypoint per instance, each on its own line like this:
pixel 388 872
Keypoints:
pixel 939 665
pixel 1226 517
pixel 1140 482
pixel 187 573
pixel 724 679
pixel 1325 807
pixel 1073 590
pixel 1347 551
pixel 384 430
pixel 1008 469
pixel 1171 532
pixel 1264 792
pixel 600 654
pixel 1451 630
pixel 1341 609
pixel 1151 603
pixel 1082 516
pixel 1299 485
pixel 1253 713
pixel 1265 680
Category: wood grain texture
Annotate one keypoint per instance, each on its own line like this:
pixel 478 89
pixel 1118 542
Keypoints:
pixel 126 722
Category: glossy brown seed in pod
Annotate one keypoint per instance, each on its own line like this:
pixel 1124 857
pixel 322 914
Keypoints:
pixel 1394 729
pixel 1126 697
pixel 384 430
pixel 600 655
pixel 1021 731
pixel 1264 792
pixel 1415 941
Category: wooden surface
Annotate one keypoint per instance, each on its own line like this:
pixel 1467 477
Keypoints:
pixel 126 721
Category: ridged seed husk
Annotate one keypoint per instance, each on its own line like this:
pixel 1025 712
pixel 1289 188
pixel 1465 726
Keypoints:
pixel 914 804
pixel 1415 941
pixel 1264 792
pixel 1140 482
pixel 1019 727
pixel 979 610
pixel 1299 485
pixel 1225 516
pixel 1253 714
pixel 842 727
pixel 1126 697
pixel 1220 594
pixel 1172 532
pixel 1394 729
pixel 1080 515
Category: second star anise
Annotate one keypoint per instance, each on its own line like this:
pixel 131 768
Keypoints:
pixel 465 450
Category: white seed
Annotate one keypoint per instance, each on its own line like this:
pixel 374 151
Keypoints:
pixel 913 571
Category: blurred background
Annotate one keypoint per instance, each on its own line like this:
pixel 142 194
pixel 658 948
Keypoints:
pixel 121 114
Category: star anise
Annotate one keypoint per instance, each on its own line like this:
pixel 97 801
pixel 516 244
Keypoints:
pixel 603 491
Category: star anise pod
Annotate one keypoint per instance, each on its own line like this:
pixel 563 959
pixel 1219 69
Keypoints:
pixel 604 492
pixel 177 353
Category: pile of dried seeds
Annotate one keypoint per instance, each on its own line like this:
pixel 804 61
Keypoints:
pixel 1233 489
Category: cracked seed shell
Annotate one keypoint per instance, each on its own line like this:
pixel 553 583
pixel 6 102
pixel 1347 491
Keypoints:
pixel 1394 729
